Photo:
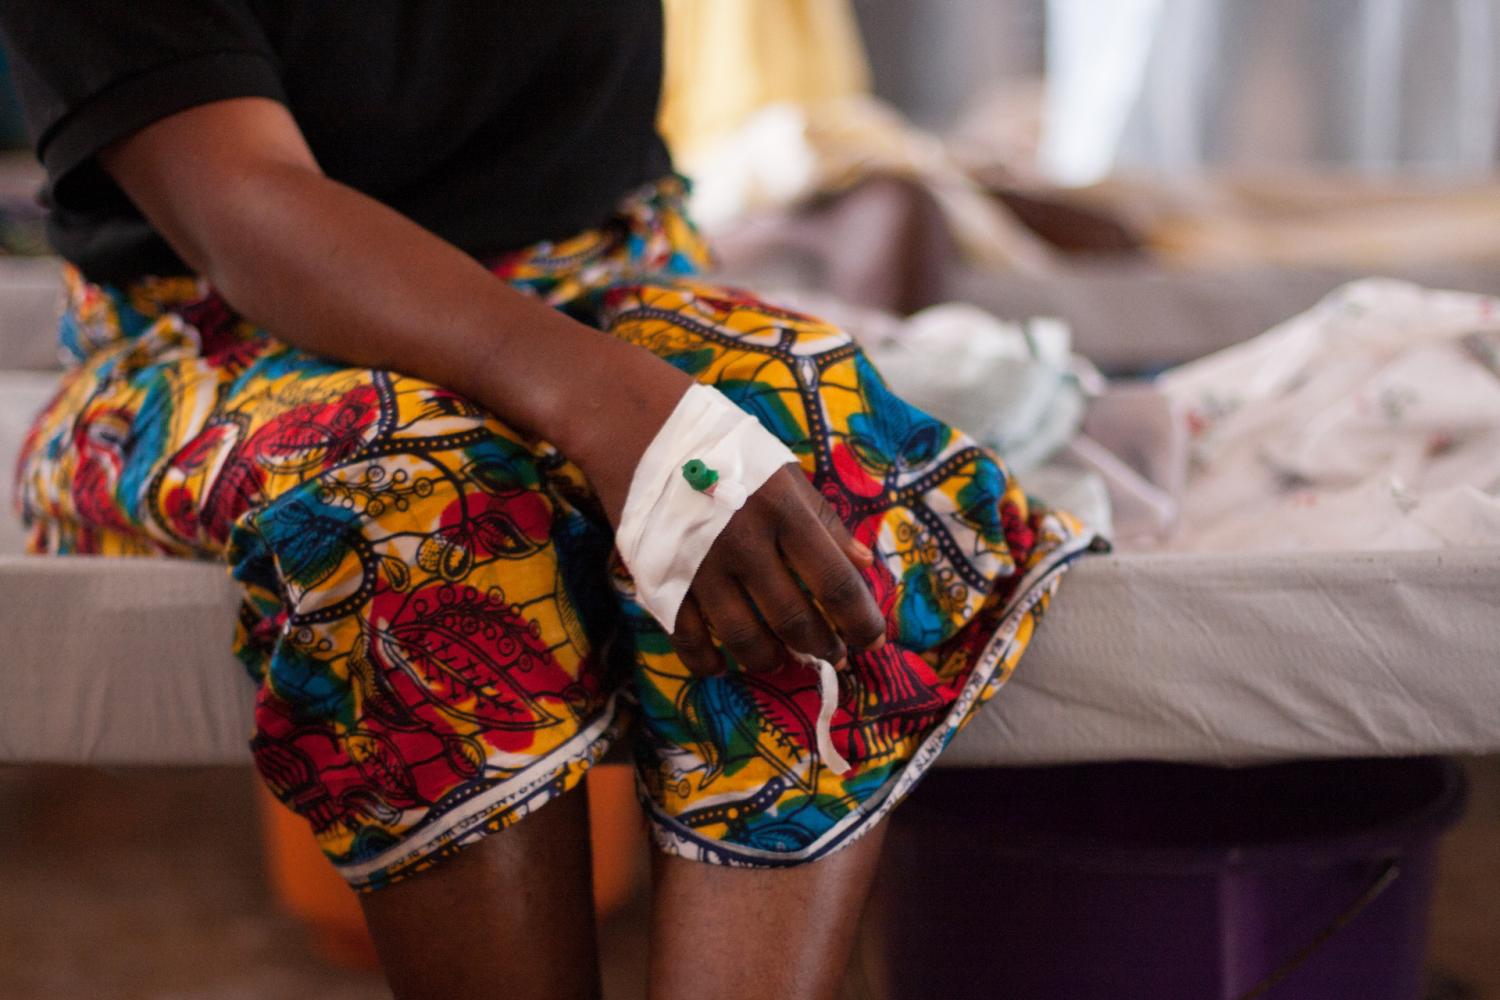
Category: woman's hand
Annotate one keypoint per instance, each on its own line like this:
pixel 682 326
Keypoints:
pixel 747 588
pixel 784 573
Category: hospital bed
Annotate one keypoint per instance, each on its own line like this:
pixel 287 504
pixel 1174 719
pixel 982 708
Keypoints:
pixel 1222 659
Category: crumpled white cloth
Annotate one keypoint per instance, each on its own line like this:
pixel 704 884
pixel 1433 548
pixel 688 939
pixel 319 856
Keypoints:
pixel 1014 386
pixel 1371 421
pixel 667 527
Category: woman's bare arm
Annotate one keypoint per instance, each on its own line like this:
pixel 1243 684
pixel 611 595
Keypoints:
pixel 235 190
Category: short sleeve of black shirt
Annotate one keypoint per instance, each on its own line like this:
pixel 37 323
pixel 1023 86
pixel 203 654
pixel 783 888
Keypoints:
pixel 89 73
pixel 493 123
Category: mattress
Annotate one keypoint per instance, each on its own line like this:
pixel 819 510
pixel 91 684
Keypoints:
pixel 1226 659
pixel 1221 659
pixel 30 298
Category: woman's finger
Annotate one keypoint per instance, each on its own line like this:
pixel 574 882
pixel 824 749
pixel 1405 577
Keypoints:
pixel 817 558
pixel 741 632
pixel 694 643
pixel 858 552
pixel 787 609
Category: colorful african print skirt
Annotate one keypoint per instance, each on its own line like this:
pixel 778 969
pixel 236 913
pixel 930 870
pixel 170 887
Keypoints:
pixel 441 635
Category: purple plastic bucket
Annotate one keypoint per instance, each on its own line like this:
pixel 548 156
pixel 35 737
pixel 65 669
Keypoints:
pixel 1306 881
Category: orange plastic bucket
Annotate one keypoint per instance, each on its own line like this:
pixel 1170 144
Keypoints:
pixel 308 888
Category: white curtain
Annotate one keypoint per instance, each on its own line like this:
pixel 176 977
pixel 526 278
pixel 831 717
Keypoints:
pixel 1174 86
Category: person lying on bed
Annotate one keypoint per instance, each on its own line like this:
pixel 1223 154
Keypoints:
pixel 394 307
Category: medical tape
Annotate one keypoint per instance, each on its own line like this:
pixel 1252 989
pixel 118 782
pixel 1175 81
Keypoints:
pixel 828 700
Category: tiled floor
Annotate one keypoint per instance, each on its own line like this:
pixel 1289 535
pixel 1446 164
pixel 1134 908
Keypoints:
pixel 135 883
pixel 145 884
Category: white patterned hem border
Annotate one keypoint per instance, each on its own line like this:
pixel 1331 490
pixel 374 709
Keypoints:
pixel 522 793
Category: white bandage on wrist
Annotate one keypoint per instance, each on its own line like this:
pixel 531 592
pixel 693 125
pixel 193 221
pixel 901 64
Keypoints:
pixel 668 526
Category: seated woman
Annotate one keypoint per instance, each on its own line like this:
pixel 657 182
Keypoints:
pixel 393 306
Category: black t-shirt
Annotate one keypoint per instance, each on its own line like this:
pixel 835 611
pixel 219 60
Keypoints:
pixel 494 123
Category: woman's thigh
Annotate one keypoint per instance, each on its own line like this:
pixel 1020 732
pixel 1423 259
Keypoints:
pixel 424 589
pixel 425 595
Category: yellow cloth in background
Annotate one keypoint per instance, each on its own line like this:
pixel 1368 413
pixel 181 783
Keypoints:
pixel 725 59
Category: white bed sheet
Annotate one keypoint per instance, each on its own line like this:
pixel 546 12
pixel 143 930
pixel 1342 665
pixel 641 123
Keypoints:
pixel 1237 659
pixel 1216 659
